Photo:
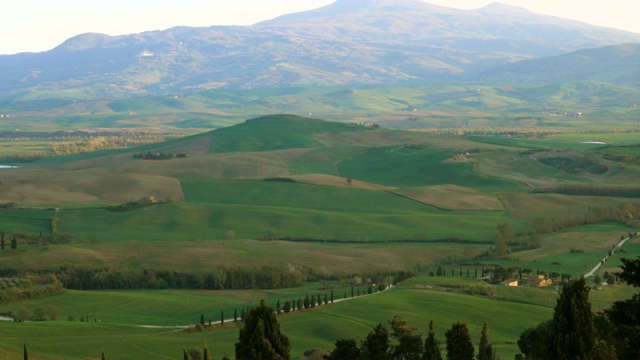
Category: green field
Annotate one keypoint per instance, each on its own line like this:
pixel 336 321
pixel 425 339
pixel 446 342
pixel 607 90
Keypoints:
pixel 334 204
pixel 329 322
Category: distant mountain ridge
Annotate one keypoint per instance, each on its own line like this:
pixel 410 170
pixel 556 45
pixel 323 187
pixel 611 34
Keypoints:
pixel 347 42
pixel 616 64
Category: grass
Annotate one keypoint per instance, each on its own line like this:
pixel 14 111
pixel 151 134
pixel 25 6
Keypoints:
pixel 274 133
pixel 329 260
pixel 318 328
pixel 399 166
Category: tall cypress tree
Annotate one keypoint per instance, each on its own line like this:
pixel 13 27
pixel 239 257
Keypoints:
pixel 221 317
pixel 278 309
pixel 431 345
pixel 459 345
pixel 206 354
pixel 260 337
pixel 572 333
pixel 376 344
pixel 25 353
pixel 485 350
pixel 332 296
pixel 14 243
pixel 235 315
pixel 185 355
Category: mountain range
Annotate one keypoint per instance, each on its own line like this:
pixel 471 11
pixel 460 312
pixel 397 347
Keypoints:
pixel 347 42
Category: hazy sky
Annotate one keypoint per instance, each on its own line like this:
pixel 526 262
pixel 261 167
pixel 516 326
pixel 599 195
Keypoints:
pixel 39 25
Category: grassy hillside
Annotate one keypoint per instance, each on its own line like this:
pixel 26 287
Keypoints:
pixel 318 328
pixel 274 133
pixel 273 193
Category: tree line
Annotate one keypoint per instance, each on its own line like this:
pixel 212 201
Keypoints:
pixel 625 213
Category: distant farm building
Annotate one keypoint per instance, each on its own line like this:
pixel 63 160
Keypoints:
pixel 510 282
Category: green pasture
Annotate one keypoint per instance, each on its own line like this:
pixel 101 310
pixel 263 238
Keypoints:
pixel 399 166
pixel 166 307
pixel 530 206
pixel 323 160
pixel 301 196
pixel 573 141
pixel 326 260
pixel 274 133
pixel 318 328
pixel 354 215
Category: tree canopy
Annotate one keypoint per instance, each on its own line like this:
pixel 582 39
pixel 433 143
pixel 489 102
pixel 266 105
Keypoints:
pixel 260 338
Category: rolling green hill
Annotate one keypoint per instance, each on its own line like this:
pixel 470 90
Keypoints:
pixel 302 202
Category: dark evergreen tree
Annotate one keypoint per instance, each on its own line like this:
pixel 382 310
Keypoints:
pixel 312 302
pixel 201 319
pixel 25 353
pixel 278 309
pixel 370 290
pixel 326 299
pixel 532 342
pixel 235 315
pixel 299 305
pixel 260 337
pixel 624 316
pixel 352 291
pixel 221 317
pixel 376 344
pixel 409 344
pixel 306 302
pixel 287 307
pixel 332 296
pixel 185 355
pixel 14 243
pixel 485 349
pixel 572 333
pixel 104 356
pixel 459 345
pixel 319 299
pixel 206 354
pixel 346 349
pixel 431 345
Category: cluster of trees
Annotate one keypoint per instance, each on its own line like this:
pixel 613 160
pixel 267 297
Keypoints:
pixel 138 204
pixel 626 213
pixel 623 158
pixel 402 342
pixel 593 190
pixel 38 314
pixel 87 142
pixel 14 289
pixel 109 278
pixel 156 156
pixel 14 242
pixel 575 332
pixel 19 237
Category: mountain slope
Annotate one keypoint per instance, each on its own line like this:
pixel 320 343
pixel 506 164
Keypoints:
pixel 618 64
pixel 347 42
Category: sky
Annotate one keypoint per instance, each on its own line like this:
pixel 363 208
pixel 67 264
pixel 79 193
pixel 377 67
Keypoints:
pixel 40 25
